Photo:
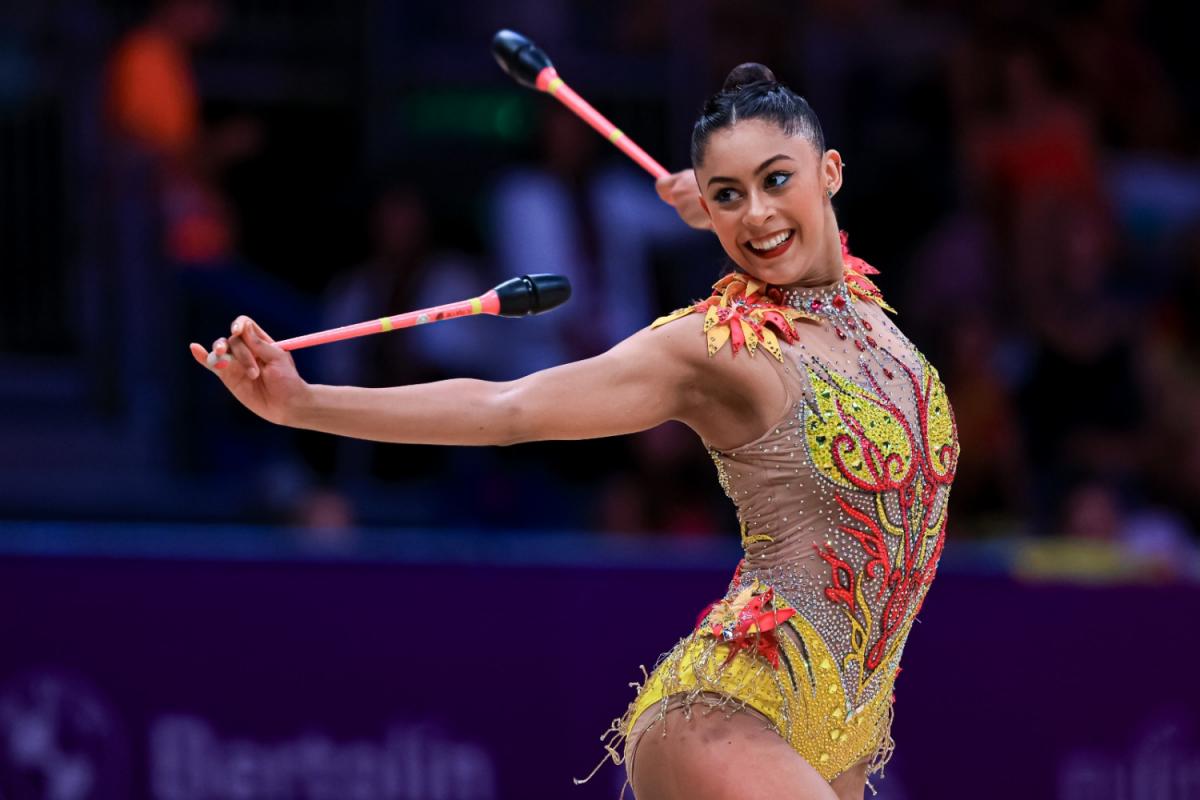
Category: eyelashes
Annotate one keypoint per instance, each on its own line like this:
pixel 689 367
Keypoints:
pixel 774 180
pixel 770 182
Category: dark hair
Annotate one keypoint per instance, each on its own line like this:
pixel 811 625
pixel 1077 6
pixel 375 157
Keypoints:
pixel 751 92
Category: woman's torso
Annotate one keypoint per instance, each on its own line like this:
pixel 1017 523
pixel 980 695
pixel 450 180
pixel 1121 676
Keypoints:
pixel 842 503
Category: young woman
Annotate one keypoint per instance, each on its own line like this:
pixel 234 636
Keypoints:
pixel 830 432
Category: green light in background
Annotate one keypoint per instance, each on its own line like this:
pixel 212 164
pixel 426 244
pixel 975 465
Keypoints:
pixel 489 115
pixel 511 121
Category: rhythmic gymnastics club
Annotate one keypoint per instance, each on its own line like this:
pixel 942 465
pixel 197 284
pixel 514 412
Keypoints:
pixel 529 66
pixel 516 297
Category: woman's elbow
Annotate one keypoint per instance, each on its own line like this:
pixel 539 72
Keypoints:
pixel 512 423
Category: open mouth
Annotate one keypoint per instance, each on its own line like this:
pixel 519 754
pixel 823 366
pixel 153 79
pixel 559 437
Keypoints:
pixel 773 245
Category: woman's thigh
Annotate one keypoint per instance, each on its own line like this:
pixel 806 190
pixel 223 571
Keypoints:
pixel 851 784
pixel 714 757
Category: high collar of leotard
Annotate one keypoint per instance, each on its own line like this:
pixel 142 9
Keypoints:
pixel 747 312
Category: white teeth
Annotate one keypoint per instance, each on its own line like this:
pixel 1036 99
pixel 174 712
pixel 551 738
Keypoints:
pixel 774 241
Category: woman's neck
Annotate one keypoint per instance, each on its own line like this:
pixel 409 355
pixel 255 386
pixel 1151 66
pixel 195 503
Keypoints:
pixel 827 266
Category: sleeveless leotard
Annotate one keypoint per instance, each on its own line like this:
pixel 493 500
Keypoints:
pixel 843 507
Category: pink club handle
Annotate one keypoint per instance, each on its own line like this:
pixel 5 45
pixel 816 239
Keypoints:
pixel 488 303
pixel 549 82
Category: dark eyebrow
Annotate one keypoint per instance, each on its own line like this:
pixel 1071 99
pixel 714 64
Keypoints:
pixel 761 167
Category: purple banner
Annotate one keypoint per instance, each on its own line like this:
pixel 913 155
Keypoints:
pixel 186 679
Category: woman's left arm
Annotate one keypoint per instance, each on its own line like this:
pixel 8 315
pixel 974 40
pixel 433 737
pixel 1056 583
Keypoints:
pixel 647 379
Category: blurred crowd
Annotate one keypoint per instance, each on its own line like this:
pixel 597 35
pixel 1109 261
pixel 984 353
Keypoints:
pixel 1027 180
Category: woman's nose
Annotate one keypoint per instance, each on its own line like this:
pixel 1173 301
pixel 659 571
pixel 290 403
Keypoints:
pixel 758 210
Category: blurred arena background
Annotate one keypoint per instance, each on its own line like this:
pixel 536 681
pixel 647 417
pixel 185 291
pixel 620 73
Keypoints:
pixel 194 604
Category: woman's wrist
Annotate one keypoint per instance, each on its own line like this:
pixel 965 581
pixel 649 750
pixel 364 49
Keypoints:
pixel 298 410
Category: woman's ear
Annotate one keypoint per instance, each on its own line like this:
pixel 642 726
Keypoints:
pixel 831 171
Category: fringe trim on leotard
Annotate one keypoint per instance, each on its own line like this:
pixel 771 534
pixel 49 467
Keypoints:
pixel 710 684
pixel 678 693
pixel 883 753
pixel 616 735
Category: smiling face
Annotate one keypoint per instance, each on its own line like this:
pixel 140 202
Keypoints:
pixel 766 193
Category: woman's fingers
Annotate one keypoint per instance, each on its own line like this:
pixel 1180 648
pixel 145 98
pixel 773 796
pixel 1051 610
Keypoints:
pixel 237 343
pixel 214 360
pixel 244 357
pixel 670 186
pixel 261 345
pixel 248 344
pixel 239 324
pixel 257 329
pixel 665 186
pixel 679 190
pixel 244 324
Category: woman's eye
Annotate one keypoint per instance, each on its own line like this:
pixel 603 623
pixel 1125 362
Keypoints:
pixel 724 195
pixel 776 179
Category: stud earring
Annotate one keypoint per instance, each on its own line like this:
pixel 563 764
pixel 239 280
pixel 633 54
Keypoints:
pixel 829 192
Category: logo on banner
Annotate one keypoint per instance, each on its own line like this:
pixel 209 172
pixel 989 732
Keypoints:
pixel 1160 761
pixel 60 740
pixel 190 760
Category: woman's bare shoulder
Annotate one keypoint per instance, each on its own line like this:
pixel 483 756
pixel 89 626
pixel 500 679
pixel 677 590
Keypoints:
pixel 734 385
pixel 679 335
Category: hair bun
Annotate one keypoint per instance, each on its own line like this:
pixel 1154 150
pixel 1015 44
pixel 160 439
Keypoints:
pixel 744 74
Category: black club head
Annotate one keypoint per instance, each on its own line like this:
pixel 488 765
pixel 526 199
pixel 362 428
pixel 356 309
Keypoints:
pixel 519 57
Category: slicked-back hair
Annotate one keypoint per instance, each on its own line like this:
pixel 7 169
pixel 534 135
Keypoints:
pixel 751 92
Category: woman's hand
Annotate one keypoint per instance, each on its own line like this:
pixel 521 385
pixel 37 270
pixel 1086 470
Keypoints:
pixel 260 374
pixel 679 190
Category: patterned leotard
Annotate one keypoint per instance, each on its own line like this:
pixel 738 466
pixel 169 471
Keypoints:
pixel 842 505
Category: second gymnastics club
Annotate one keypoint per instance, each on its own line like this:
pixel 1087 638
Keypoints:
pixel 516 297
pixel 529 66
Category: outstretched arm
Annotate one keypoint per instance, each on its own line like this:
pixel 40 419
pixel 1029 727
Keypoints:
pixel 651 377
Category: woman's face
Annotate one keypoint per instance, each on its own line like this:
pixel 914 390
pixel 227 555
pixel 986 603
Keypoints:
pixel 765 192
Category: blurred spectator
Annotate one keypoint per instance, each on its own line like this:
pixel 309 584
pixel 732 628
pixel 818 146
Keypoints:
pixel 1083 402
pixel 396 277
pixel 995 486
pixel 1170 356
pixel 1042 141
pixel 403 272
pixel 955 268
pixel 175 237
pixel 641 26
pixel 1135 102
pixel 1091 511
pixel 153 104
pixel 153 109
pixel 596 225
pixel 1102 536
pixel 663 488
